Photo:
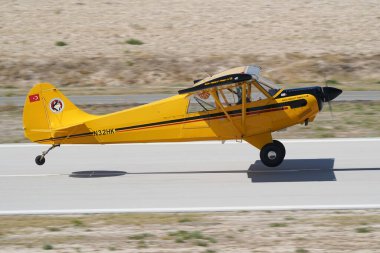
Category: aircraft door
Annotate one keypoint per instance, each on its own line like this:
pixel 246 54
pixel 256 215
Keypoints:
pixel 199 110
pixel 242 119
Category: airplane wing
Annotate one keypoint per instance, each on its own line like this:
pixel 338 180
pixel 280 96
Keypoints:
pixel 219 81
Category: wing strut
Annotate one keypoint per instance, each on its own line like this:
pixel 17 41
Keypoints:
pixel 244 108
pixel 219 104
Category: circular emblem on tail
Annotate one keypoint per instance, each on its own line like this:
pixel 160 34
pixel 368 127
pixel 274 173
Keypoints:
pixel 56 105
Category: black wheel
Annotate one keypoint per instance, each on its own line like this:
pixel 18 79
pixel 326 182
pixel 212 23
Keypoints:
pixel 272 154
pixel 40 160
pixel 282 146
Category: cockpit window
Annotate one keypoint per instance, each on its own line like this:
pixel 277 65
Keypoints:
pixel 268 85
pixel 229 96
pixel 233 95
pixel 202 101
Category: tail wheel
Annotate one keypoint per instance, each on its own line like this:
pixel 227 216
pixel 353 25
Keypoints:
pixel 272 154
pixel 40 160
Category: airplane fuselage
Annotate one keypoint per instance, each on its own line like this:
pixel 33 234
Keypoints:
pixel 167 120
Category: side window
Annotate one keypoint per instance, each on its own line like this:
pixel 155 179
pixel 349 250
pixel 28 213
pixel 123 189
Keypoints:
pixel 229 96
pixel 255 94
pixel 200 102
pixel 233 95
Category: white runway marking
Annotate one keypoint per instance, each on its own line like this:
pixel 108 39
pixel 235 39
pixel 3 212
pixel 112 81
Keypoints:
pixel 34 175
pixel 186 210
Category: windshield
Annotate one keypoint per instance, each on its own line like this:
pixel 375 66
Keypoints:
pixel 268 85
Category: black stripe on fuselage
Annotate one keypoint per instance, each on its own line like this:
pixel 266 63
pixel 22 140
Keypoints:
pixel 293 104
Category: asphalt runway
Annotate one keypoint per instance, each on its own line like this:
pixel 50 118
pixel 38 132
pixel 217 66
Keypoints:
pixel 206 176
pixel 147 98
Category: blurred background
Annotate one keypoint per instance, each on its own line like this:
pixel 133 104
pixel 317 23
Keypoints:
pixel 158 47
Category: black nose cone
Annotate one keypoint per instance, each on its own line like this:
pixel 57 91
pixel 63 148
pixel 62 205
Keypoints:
pixel 330 93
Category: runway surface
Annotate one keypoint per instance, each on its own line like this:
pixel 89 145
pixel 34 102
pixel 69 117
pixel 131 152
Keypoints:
pixel 329 173
pixel 147 98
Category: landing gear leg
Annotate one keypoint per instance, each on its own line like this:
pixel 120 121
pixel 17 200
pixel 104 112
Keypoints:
pixel 40 159
pixel 272 154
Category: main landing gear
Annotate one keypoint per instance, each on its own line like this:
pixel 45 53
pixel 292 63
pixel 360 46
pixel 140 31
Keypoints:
pixel 272 154
pixel 40 159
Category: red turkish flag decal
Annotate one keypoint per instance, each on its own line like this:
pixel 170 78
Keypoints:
pixel 34 98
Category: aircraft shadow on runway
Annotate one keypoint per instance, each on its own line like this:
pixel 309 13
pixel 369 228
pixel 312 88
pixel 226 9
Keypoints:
pixel 291 170
pixel 294 170
pixel 97 173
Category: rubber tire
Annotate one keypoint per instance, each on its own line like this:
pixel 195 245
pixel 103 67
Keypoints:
pixel 282 146
pixel 40 160
pixel 276 147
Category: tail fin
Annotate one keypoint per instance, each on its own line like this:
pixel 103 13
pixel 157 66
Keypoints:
pixel 47 110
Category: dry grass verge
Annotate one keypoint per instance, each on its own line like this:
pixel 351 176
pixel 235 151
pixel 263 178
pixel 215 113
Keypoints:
pixel 153 73
pixel 300 231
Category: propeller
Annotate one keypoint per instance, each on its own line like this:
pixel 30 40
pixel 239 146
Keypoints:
pixel 330 93
pixel 324 97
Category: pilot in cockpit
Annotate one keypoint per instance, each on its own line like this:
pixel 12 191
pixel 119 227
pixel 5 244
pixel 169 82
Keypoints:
pixel 239 93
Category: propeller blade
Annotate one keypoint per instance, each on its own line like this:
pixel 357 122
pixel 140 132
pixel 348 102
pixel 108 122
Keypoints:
pixel 329 94
pixel 331 110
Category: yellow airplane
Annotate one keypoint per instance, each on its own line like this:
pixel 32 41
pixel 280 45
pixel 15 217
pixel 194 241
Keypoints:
pixel 237 104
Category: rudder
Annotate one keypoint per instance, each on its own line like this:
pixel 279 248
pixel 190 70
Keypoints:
pixel 46 110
